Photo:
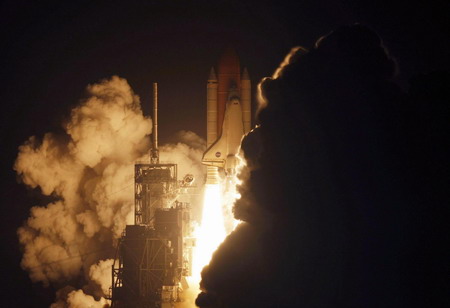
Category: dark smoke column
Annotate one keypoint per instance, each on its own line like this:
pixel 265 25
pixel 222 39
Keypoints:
pixel 228 114
pixel 329 200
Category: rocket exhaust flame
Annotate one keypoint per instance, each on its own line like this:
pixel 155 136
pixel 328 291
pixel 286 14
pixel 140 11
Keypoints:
pixel 217 219
pixel 212 229
pixel 228 119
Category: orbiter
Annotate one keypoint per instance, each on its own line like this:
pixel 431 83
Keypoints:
pixel 228 115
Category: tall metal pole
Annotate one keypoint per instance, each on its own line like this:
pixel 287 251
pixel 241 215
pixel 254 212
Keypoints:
pixel 155 151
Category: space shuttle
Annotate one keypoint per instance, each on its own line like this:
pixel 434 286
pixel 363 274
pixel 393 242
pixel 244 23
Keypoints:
pixel 228 115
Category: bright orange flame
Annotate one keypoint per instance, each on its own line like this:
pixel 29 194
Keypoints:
pixel 217 222
pixel 211 231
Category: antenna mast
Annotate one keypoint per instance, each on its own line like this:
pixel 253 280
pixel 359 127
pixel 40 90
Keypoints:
pixel 154 155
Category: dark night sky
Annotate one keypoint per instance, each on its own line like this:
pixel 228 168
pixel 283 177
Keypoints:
pixel 52 50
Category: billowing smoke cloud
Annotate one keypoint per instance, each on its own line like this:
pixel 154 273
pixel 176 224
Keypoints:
pixel 100 273
pixel 325 199
pixel 187 153
pixel 192 139
pixel 88 172
pixel 78 299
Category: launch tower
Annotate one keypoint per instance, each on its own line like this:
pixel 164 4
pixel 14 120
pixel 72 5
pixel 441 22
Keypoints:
pixel 155 254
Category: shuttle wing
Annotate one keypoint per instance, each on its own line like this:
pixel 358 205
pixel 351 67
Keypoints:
pixel 216 154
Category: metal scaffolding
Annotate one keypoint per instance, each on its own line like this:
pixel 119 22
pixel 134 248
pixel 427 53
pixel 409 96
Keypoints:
pixel 155 185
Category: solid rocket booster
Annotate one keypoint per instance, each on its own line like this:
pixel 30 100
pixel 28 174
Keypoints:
pixel 211 109
pixel 228 115
pixel 246 89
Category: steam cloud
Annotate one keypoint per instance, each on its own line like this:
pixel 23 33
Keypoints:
pixel 331 192
pixel 88 172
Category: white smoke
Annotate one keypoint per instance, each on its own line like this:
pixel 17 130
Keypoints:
pixel 89 170
pixel 187 158
pixel 100 273
pixel 192 139
pixel 78 299
pixel 89 173
pixel 187 153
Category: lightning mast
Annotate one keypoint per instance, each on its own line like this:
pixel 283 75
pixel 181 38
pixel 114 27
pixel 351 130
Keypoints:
pixel 154 153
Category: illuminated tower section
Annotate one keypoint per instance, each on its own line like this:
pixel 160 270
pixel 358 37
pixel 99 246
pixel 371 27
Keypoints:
pixel 154 255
